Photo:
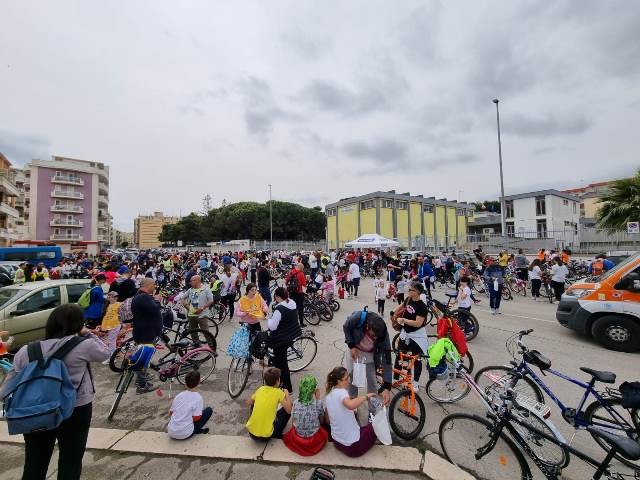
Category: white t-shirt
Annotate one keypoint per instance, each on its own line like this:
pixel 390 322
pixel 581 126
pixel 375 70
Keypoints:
pixel 534 273
pixel 228 283
pixel 465 302
pixel 313 261
pixel 354 271
pixel 559 273
pixel 344 427
pixel 185 406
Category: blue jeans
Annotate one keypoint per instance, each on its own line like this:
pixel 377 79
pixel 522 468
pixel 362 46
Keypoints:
pixel 495 296
pixel 198 425
pixel 265 293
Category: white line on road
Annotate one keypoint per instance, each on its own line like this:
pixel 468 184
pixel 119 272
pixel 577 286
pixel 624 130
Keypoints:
pixel 521 316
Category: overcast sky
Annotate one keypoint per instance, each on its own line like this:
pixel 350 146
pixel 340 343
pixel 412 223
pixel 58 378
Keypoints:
pixel 323 99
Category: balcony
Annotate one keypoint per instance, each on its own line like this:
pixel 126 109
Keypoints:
pixel 65 236
pixel 8 210
pixel 67 180
pixel 63 222
pixel 9 234
pixel 67 194
pixel 103 201
pixel 103 189
pixel 67 208
pixel 7 186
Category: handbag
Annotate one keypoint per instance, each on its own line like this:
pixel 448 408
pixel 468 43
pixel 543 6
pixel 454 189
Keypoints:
pixel 239 344
pixel 359 374
pixel 380 424
pixel 396 315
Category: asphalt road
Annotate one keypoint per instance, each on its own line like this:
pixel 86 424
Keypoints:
pixel 566 349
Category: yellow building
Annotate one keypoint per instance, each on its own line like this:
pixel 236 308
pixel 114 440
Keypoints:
pixel 147 229
pixel 415 222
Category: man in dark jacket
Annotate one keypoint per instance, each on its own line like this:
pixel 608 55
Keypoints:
pixel 147 326
pixel 298 295
pixel 123 286
pixel 367 337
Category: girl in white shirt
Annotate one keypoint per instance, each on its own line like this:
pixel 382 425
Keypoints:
pixel 536 280
pixel 348 437
pixel 559 272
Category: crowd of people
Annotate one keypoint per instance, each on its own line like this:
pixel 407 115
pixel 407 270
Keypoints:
pixel 129 290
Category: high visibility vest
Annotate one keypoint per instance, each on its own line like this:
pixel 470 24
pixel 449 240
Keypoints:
pixel 168 265
pixel 565 258
pixel 541 256
pixel 597 267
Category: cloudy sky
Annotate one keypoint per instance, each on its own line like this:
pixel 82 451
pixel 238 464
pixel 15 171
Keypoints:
pixel 323 99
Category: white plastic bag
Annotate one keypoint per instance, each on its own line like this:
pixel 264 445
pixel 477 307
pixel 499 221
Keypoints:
pixel 380 424
pixel 359 375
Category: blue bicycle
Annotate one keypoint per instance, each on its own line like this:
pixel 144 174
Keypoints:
pixel 606 412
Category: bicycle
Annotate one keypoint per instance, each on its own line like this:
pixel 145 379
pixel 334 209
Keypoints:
pixel 186 357
pixel 117 361
pixel 299 356
pixel 605 412
pixel 480 445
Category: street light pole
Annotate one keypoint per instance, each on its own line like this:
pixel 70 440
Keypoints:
pixel 270 221
pixel 502 202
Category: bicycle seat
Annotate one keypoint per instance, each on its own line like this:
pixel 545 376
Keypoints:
pixel 451 294
pixel 628 448
pixel 536 358
pixel 182 343
pixel 604 377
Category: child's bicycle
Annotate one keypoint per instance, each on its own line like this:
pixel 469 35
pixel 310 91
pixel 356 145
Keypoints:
pixel 185 359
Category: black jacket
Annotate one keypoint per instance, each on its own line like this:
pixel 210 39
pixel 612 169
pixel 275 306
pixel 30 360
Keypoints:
pixel 147 318
pixel 354 332
pixel 264 277
pixel 288 328
pixel 124 287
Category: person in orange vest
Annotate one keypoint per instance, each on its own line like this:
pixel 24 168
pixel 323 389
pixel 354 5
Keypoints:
pixel 542 256
pixel 600 265
pixel 565 255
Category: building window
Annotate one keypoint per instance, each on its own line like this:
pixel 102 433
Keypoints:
pixel 541 206
pixel 331 212
pixel 565 203
pixel 541 227
pixel 508 207
pixel 461 212
pixel 401 205
pixel 387 204
pixel 511 229
pixel 472 213
pixel 427 208
pixel 574 207
pixel 367 205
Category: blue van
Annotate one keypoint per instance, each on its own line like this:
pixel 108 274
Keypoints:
pixel 50 256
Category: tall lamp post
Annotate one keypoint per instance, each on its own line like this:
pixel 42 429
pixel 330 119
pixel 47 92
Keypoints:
pixel 502 202
pixel 270 221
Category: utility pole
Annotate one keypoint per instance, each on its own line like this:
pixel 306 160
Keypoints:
pixel 270 220
pixel 502 202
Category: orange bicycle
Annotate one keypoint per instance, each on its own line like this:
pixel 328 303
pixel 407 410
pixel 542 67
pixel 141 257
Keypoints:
pixel 407 413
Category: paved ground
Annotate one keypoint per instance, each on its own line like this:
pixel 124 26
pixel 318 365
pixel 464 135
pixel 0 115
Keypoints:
pixel 567 350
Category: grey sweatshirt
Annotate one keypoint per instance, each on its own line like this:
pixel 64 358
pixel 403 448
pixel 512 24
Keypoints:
pixel 91 350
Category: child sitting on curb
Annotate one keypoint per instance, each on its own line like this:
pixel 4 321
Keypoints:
pixel 307 435
pixel 266 420
pixel 187 415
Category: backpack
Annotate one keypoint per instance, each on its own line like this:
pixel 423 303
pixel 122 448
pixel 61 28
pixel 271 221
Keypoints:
pixel 85 299
pixel 125 313
pixel 293 284
pixel 41 396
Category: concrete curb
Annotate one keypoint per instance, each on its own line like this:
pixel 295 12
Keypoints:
pixel 225 447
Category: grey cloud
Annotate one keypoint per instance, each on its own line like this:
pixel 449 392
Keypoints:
pixel 550 125
pixel 387 153
pixel 335 98
pixel 419 33
pixel 197 103
pixel 305 45
pixel 19 148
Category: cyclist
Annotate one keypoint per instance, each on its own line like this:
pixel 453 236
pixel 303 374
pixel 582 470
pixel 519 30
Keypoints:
pixel 198 300
pixel 283 330
pixel 522 262
pixel 147 327
pixel 367 337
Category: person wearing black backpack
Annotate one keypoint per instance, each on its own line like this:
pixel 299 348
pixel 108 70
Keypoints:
pixel 295 282
pixel 65 324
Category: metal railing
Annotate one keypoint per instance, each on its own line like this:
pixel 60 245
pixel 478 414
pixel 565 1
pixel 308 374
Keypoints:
pixel 67 194
pixel 61 222
pixel 67 208
pixel 67 179
pixel 66 236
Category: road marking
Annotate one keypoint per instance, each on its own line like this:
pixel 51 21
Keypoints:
pixel 522 316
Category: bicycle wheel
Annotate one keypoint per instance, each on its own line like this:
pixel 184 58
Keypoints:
pixel 506 293
pixel 118 359
pixel 468 323
pixel 462 435
pixel 548 292
pixel 311 314
pixel 407 416
pixel 202 361
pixel 335 305
pixel 599 415
pixel 239 372
pixel 301 353
pixel 453 389
pixel 324 310
pixel 201 337
pixel 121 388
pixel 547 452
pixel 218 314
pixel 494 380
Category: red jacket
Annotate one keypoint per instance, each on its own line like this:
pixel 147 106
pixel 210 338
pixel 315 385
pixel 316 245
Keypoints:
pixel 302 280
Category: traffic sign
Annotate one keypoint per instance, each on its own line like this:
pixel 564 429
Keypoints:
pixel 633 227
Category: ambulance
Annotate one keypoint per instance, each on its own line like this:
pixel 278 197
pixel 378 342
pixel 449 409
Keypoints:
pixel 607 308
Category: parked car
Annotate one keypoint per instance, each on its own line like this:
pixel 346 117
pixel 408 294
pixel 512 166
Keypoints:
pixel 608 308
pixel 25 308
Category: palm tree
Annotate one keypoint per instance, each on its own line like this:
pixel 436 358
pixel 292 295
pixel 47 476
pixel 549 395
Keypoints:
pixel 621 204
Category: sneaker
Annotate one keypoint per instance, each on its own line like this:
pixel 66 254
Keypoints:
pixel 106 362
pixel 493 311
pixel 476 301
pixel 204 431
pixel 146 389
pixel 416 387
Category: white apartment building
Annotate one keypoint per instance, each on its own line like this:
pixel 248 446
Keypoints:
pixel 544 214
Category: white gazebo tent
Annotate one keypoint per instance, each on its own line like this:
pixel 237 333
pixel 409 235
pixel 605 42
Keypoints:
pixel 372 240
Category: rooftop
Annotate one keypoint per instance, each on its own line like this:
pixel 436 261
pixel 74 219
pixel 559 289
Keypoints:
pixel 392 195
pixel 539 193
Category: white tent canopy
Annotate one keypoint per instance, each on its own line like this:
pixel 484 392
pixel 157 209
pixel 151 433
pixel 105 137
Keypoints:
pixel 371 240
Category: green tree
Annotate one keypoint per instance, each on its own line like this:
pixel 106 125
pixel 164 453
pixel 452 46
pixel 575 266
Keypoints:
pixel 124 244
pixel 487 206
pixel 621 204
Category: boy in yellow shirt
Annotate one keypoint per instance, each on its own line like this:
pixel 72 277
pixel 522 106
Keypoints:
pixel 266 420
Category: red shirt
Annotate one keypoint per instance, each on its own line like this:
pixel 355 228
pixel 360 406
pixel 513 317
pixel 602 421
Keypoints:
pixel 302 280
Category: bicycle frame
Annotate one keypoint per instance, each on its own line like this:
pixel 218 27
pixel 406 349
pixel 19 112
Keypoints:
pixel 578 420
